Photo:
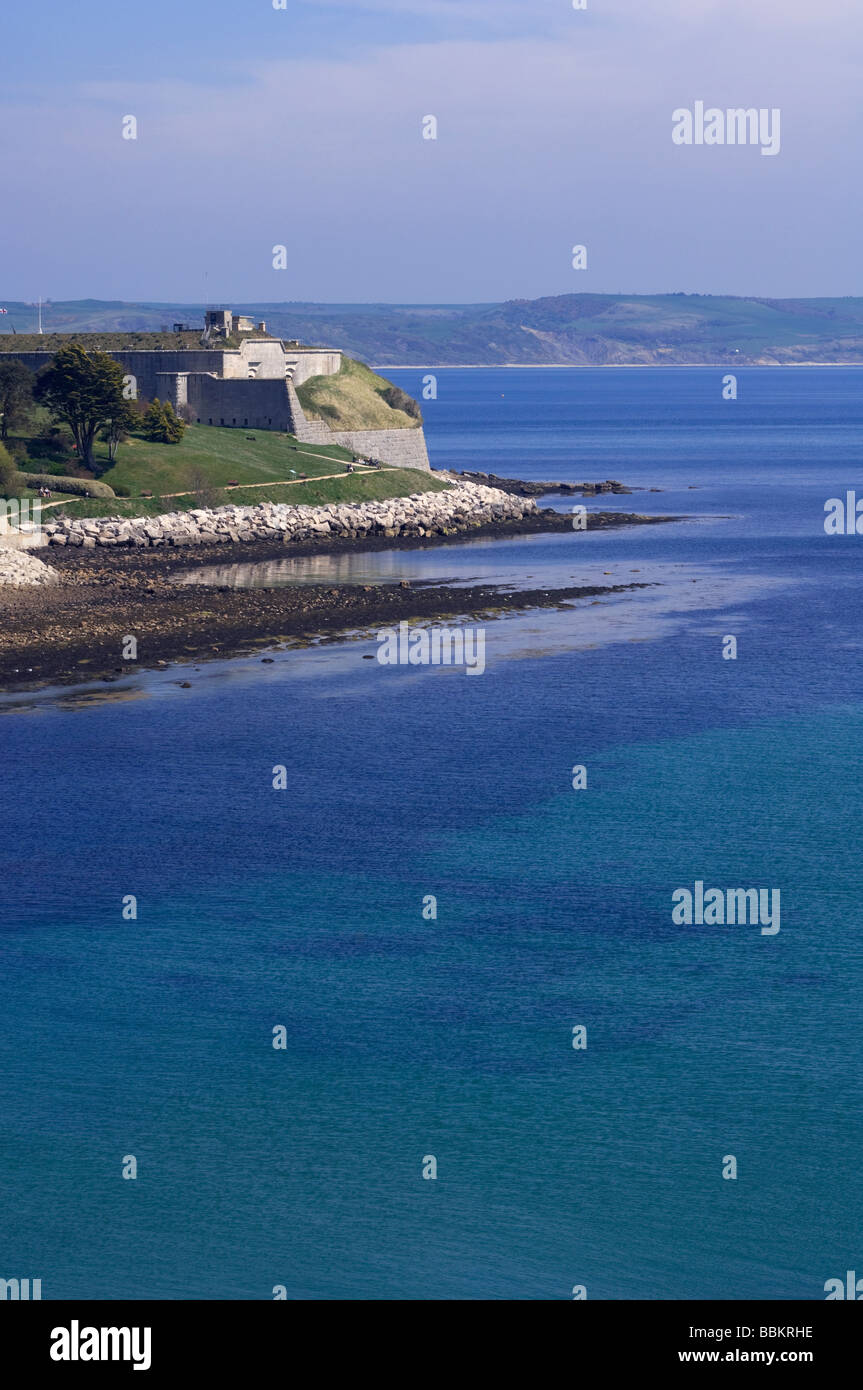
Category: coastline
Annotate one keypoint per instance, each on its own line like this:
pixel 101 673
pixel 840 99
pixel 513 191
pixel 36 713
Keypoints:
pixel 74 630
pixel 595 366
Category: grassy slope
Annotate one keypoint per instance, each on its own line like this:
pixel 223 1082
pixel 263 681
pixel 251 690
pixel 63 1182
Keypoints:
pixel 221 455
pixel 389 482
pixel 196 471
pixel 359 487
pixel 352 400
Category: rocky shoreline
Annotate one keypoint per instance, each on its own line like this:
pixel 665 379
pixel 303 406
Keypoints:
pixel 81 637
pixel 520 487
pixel 71 627
pixel 463 505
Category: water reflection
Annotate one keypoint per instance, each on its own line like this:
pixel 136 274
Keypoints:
pixel 515 562
pixel 382 567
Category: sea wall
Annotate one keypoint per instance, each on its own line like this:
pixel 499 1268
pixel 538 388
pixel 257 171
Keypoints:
pixel 400 448
pixel 403 448
pixel 461 507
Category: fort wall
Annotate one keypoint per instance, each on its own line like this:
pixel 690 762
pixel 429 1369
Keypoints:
pixel 248 388
pixel 307 363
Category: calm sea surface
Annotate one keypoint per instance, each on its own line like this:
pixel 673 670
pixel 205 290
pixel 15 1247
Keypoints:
pixel 405 1037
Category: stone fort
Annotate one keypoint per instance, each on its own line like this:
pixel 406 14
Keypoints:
pixel 251 386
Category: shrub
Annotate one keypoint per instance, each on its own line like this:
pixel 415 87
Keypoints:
pixel 176 426
pixel 153 420
pixel 197 482
pixel 52 443
pixel 18 450
pixel 161 425
pixel 78 487
pixel 10 478
pixel 398 399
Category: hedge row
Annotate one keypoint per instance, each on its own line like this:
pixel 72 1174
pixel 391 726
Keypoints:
pixel 79 487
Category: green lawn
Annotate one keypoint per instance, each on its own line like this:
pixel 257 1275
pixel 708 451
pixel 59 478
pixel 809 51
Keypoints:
pixel 208 457
pixel 359 487
pixel 221 456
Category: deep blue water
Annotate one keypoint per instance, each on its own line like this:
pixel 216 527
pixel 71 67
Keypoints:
pixel 452 1038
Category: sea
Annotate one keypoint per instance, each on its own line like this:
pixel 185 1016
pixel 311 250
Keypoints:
pixel 412 1018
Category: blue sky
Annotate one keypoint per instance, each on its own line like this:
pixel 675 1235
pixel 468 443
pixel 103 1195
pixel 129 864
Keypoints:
pixel 303 127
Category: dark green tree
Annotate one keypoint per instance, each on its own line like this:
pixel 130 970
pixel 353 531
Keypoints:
pixel 153 420
pixel 121 424
pixel 16 394
pixel 176 427
pixel 161 424
pixel 85 390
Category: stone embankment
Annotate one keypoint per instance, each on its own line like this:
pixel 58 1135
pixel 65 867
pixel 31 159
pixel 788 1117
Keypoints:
pixel 461 507
pixel 19 568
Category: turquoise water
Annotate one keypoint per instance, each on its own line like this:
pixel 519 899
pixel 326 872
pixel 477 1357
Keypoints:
pixel 452 1038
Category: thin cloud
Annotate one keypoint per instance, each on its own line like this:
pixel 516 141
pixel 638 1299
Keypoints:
pixel 543 142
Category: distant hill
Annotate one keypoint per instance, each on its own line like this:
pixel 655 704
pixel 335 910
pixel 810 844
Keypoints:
pixel 589 329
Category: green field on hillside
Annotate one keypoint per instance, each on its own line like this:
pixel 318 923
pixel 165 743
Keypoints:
pixel 268 467
pixel 205 453
pixel 212 466
pixel 358 487
pixel 221 456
